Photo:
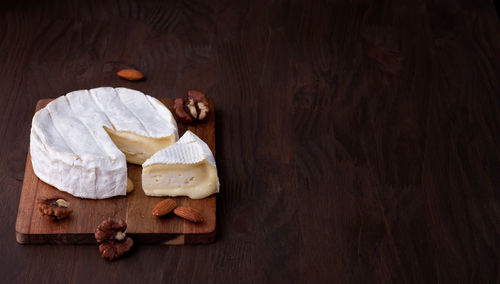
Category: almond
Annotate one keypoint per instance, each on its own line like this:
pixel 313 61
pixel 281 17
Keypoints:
pixel 130 74
pixel 164 207
pixel 189 213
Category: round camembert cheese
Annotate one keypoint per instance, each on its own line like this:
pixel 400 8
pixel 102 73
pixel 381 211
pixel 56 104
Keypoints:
pixel 80 143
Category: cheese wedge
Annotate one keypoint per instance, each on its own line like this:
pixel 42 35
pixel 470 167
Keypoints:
pixel 80 143
pixel 186 168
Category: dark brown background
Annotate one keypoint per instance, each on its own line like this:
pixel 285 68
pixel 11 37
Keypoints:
pixel 357 141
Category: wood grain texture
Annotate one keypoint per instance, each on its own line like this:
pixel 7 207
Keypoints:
pixel 357 141
pixel 135 208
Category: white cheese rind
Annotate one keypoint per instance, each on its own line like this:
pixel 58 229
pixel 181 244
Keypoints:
pixel 71 150
pixel 189 149
pixel 149 116
pixel 186 168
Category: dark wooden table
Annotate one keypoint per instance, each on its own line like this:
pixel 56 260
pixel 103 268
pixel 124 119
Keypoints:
pixel 357 141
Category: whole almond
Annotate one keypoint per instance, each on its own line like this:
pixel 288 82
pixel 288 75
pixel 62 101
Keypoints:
pixel 189 213
pixel 164 207
pixel 130 74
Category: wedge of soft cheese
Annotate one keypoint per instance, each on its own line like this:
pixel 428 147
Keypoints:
pixel 80 143
pixel 186 168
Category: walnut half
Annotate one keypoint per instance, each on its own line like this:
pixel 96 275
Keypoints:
pixel 55 208
pixel 193 108
pixel 113 250
pixel 112 238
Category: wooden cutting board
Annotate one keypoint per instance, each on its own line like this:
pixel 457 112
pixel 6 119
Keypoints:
pixel 135 208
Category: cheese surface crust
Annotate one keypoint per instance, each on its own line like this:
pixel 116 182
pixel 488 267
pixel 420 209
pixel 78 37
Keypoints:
pixel 80 143
pixel 186 168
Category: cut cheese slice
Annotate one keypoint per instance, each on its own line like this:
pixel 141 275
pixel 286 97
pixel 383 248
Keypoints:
pixel 78 141
pixel 186 168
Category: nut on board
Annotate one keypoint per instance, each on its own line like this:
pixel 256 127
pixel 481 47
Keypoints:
pixel 193 108
pixel 55 208
pixel 189 213
pixel 164 207
pixel 112 238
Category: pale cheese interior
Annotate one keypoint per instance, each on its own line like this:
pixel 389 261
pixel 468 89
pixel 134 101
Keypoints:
pixel 193 180
pixel 138 148
pixel 130 185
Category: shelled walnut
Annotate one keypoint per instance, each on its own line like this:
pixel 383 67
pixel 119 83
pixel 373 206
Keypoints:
pixel 112 238
pixel 113 250
pixel 55 208
pixel 193 108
